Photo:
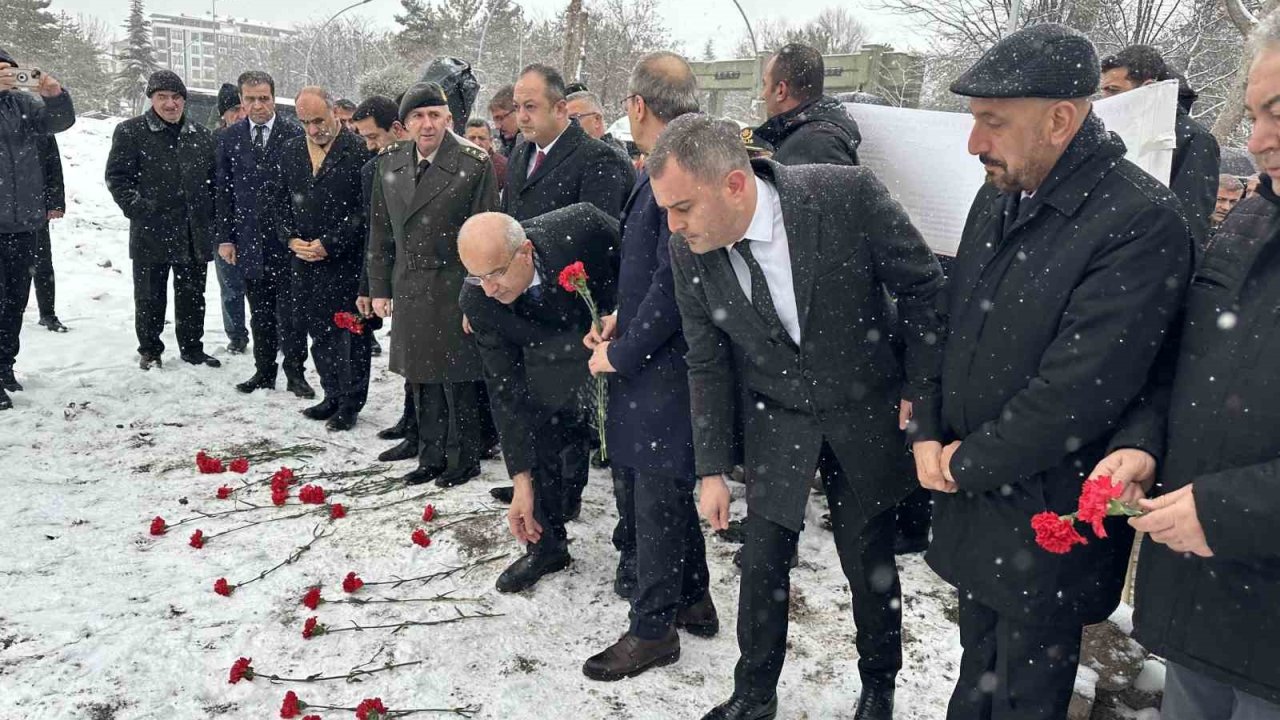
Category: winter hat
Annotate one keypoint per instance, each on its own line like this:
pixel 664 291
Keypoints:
pixel 1042 61
pixel 6 57
pixel 228 98
pixel 166 80
pixel 423 94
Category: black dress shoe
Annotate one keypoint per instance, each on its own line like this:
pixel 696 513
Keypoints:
pixel 259 381
pixel 423 475
pixel 201 359
pixel 299 386
pixel 395 432
pixel 503 494
pixel 744 707
pixel 631 656
pixel 9 382
pixel 53 324
pixel 457 476
pixel 5 402
pixel 343 420
pixel 406 450
pixel 237 347
pixel 737 558
pixel 699 618
pixel 146 362
pixel 624 578
pixel 876 700
pixel 528 570
pixel 322 410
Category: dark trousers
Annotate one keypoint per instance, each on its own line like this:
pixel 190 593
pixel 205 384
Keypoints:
pixel 550 482
pixel 914 515
pixel 670 552
pixel 232 291
pixel 17 253
pixel 273 322
pixel 1011 670
pixel 488 428
pixel 410 415
pixel 1189 695
pixel 151 300
pixel 42 273
pixel 865 547
pixel 448 426
pixel 342 360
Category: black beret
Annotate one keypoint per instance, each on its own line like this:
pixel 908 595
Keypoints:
pixel 1042 61
pixel 228 97
pixel 166 80
pixel 423 94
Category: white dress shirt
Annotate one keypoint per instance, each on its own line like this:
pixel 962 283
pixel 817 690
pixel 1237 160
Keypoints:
pixel 546 151
pixel 773 251
pixel 266 132
pixel 537 280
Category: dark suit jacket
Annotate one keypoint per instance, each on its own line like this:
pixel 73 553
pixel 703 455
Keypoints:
pixel 844 385
pixel 648 427
pixel 579 169
pixel 328 207
pixel 245 192
pixel 534 360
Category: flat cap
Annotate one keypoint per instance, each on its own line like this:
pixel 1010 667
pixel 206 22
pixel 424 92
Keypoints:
pixel 1042 61
pixel 423 94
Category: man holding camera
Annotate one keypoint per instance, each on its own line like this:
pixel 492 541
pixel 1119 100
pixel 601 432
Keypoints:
pixel 24 121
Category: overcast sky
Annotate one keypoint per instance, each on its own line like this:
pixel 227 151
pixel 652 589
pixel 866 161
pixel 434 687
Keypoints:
pixel 691 21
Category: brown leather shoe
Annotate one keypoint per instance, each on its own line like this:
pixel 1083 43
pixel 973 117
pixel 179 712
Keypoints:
pixel 700 618
pixel 631 656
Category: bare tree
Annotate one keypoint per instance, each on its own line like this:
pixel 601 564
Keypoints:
pixel 834 31
pixel 1245 19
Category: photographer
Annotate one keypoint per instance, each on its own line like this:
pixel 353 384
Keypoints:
pixel 24 121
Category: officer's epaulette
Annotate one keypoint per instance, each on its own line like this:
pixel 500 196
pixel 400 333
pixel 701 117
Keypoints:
pixel 395 146
pixel 474 152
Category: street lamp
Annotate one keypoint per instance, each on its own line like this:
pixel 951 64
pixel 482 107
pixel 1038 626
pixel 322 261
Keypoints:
pixel 320 33
pixel 751 33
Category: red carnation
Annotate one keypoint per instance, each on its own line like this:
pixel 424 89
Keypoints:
pixel 311 494
pixel 284 473
pixel 158 526
pixel 349 322
pixel 224 492
pixel 1095 497
pixel 223 588
pixel 371 709
pixel 352 583
pixel 312 598
pixel 312 628
pixel 573 276
pixel 420 538
pixel 1055 533
pixel 240 465
pixel 279 495
pixel 337 511
pixel 197 539
pixel 241 669
pixel 311 717
pixel 292 706
pixel 429 513
pixel 208 464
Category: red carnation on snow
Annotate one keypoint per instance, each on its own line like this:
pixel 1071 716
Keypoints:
pixel 284 473
pixel 312 597
pixel 197 539
pixel 312 628
pixel 223 588
pixel 208 464
pixel 429 513
pixel 351 583
pixel 337 511
pixel 279 496
pixel 311 494
pixel 420 537
pixel 311 717
pixel 292 706
pixel 241 669
pixel 1055 533
pixel 158 526
pixel 371 709
pixel 1095 498
pixel 349 322
pixel 224 492
pixel 240 465
pixel 573 276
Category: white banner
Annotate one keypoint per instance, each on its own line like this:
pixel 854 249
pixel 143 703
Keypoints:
pixel 922 155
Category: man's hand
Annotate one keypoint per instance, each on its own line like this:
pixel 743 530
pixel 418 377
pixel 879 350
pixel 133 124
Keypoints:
pixel 928 455
pixel 49 86
pixel 227 251
pixel 608 327
pixel 317 250
pixel 7 79
pixel 949 452
pixel 364 306
pixel 1171 520
pixel 54 215
pixel 1136 469
pixel 382 307
pixel 466 325
pixel 524 526
pixel 713 501
pixel 904 413
pixel 599 362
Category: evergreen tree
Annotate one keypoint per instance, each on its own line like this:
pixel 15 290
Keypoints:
pixel 79 66
pixel 421 33
pixel 29 31
pixel 136 62
pixel 709 51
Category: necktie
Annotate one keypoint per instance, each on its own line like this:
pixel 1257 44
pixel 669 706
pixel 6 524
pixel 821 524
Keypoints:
pixel 537 162
pixel 422 170
pixel 258 142
pixel 760 298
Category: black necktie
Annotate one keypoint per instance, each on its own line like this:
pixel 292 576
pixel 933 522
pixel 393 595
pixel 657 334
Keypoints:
pixel 761 300
pixel 422 170
pixel 258 142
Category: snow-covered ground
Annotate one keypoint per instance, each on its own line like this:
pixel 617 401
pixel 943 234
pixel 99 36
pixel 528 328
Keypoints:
pixel 100 620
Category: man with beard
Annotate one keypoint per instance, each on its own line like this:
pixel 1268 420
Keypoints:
pixel 805 126
pixel 323 222
pixel 1070 269
pixel 423 192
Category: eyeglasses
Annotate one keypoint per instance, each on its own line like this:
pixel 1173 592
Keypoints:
pixel 499 117
pixel 627 99
pixel 579 116
pixel 494 275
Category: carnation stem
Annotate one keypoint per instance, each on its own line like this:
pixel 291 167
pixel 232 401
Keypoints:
pixel 316 534
pixel 397 627
pixel 442 597
pixel 349 677
pixel 440 575
pixel 464 711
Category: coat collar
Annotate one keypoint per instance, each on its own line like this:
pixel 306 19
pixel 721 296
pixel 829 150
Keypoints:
pixel 437 178
pixel 1090 155
pixel 155 124
pixel 564 146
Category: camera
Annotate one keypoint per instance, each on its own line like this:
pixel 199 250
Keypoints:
pixel 27 78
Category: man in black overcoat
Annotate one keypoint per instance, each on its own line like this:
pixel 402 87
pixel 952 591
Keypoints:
pixel 780 274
